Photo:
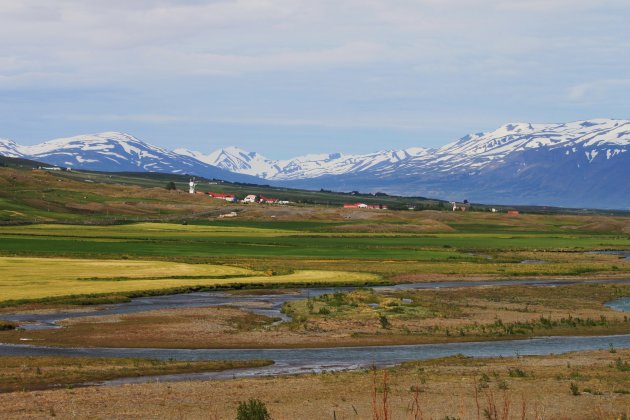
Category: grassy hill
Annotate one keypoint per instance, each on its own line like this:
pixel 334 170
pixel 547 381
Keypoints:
pixel 29 194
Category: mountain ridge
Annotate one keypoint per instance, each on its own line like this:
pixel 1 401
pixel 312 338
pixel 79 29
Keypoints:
pixel 580 164
pixel 116 152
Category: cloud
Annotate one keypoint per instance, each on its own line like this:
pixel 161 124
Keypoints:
pixel 399 124
pixel 291 63
pixel 598 90
pixel 143 118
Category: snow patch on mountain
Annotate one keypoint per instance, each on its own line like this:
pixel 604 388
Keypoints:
pixel 301 167
pixel 9 148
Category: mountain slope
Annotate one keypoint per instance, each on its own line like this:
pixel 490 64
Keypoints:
pixel 8 148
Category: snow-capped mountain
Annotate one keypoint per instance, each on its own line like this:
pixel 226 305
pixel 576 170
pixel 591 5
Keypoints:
pixel 583 163
pixel 606 138
pixel 596 139
pixel 9 148
pixel 579 164
pixel 302 167
pixel 119 152
pixel 237 160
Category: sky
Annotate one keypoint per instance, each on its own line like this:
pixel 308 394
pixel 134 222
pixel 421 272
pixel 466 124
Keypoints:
pixel 290 77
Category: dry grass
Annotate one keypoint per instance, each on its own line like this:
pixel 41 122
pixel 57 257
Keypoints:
pixel 25 373
pixel 456 387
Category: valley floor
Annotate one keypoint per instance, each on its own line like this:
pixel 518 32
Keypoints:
pixel 52 267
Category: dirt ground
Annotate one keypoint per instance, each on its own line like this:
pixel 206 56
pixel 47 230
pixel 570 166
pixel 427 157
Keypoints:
pixel 457 387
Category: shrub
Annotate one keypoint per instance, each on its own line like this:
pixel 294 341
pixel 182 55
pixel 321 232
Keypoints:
pixel 574 389
pixel 5 325
pixel 516 373
pixel 252 410
pixel 622 366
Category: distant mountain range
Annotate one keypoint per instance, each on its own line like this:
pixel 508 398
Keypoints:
pixel 116 152
pixel 578 164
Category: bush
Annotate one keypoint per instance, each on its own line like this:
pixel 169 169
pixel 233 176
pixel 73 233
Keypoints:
pixel 516 373
pixel 252 410
pixel 324 311
pixel 171 186
pixel 574 389
pixel 5 326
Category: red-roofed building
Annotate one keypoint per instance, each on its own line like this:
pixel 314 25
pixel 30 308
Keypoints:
pixel 222 196
pixel 268 200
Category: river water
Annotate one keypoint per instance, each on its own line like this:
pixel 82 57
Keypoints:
pixel 264 304
pixel 297 361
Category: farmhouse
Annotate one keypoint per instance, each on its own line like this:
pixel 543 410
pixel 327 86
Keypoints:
pixel 460 206
pixel 365 206
pixel 251 198
pixel 268 200
pixel 513 212
pixel 222 196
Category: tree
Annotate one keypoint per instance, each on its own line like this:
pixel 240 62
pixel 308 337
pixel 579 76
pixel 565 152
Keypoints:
pixel 252 410
pixel 171 186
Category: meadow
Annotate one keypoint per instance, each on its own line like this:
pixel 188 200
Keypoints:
pixel 43 279
pixel 476 245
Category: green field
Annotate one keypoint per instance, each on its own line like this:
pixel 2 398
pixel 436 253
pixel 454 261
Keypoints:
pixel 143 257
pixel 120 224
pixel 276 240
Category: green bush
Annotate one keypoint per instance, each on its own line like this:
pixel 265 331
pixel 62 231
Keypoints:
pixel 384 322
pixel 5 325
pixel 252 410
pixel 516 373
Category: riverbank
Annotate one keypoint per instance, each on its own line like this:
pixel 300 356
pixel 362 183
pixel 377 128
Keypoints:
pixel 29 373
pixel 401 315
pixel 581 385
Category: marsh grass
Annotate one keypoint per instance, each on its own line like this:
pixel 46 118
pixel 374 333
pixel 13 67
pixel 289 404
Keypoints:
pixel 20 373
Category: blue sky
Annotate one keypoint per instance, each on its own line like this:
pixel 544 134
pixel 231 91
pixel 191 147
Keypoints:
pixel 288 77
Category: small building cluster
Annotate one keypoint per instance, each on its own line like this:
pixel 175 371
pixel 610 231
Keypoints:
pixel 465 206
pixel 250 198
pixel 365 206
pixel 231 198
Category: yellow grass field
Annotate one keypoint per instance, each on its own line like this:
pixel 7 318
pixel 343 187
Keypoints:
pixel 36 278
